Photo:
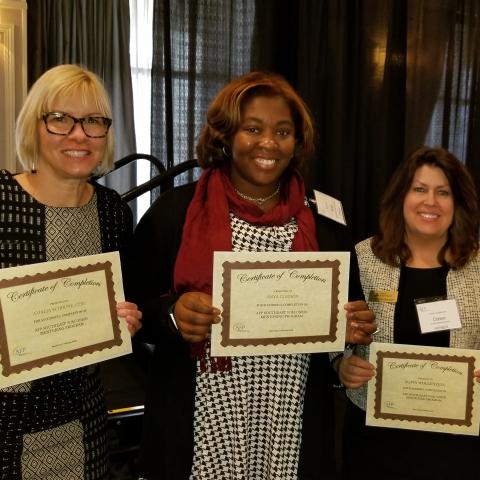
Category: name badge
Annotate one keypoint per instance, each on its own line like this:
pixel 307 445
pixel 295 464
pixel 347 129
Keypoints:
pixel 329 207
pixel 385 296
pixel 437 315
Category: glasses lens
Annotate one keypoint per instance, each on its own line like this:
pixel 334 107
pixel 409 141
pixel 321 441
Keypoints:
pixel 58 123
pixel 96 126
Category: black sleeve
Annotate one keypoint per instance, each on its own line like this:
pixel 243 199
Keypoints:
pixel 150 263
pixel 333 236
pixel 115 217
pixel 126 233
pixel 355 291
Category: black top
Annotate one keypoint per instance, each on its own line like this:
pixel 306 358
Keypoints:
pixel 167 447
pixel 417 283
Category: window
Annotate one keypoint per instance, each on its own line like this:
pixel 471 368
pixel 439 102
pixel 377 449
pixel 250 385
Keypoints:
pixel 211 42
pixel 141 14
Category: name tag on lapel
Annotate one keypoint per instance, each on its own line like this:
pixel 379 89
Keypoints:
pixel 384 296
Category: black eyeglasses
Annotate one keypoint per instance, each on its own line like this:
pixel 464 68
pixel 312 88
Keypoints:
pixel 60 123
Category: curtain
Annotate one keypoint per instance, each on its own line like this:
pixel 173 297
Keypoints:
pixel 382 77
pixel 455 122
pixel 198 46
pixel 95 34
pixel 347 60
pixel 428 45
pixel 358 71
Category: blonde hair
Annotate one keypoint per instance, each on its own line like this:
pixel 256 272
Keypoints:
pixel 66 81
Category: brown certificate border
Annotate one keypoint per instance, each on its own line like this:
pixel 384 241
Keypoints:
pixel 333 265
pixel 381 356
pixel 8 368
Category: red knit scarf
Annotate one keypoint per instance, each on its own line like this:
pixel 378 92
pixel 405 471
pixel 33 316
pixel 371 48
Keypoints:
pixel 207 225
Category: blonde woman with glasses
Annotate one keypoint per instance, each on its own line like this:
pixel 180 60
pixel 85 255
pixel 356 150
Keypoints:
pixel 54 427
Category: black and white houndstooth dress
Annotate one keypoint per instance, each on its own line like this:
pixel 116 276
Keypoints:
pixel 248 421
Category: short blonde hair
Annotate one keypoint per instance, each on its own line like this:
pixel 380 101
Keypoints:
pixel 62 80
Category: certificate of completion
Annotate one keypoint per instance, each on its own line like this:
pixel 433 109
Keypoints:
pixel 274 303
pixel 60 315
pixel 424 388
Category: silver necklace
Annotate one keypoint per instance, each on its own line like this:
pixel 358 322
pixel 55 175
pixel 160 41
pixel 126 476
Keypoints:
pixel 259 200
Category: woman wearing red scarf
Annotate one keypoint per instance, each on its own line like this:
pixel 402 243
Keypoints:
pixel 261 417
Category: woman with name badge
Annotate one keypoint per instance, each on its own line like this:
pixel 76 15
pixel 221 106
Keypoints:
pixel 425 252
pixel 251 417
pixel 55 427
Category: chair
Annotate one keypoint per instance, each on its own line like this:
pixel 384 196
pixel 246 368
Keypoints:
pixel 164 180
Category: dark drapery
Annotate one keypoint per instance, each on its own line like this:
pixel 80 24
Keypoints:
pixel 354 90
pixel 455 123
pixel 381 77
pixel 95 34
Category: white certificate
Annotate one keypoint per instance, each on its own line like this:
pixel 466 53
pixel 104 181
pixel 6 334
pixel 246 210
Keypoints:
pixel 276 303
pixel 60 315
pixel 424 388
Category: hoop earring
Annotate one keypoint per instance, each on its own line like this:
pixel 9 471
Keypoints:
pixel 225 153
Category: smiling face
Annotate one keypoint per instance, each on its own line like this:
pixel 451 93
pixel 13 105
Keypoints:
pixel 72 156
pixel 263 145
pixel 428 207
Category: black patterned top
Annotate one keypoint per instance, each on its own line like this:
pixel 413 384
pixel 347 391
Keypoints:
pixel 55 427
